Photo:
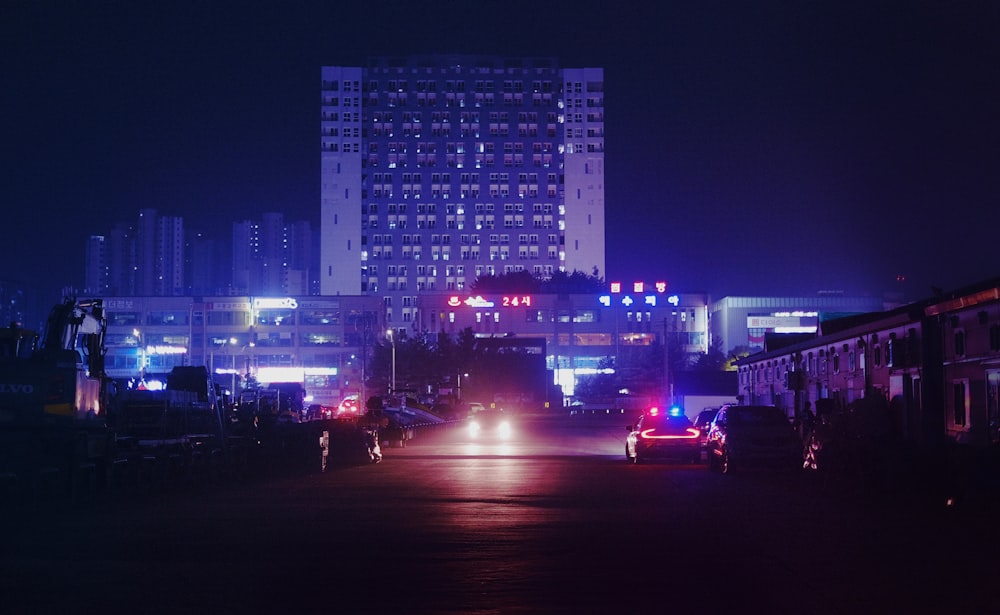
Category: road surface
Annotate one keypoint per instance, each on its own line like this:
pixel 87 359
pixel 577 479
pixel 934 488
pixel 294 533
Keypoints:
pixel 553 521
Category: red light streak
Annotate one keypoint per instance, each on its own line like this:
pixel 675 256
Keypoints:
pixel 690 435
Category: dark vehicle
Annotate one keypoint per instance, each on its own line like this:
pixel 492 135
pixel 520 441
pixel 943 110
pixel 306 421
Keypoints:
pixel 752 435
pixel 703 422
pixel 490 424
pixel 665 435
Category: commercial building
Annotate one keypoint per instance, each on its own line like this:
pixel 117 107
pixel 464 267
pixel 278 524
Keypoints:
pixel 437 170
pixel 322 342
pixel 581 334
pixel 740 323
pixel 325 341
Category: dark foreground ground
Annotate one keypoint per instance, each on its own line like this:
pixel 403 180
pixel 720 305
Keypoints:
pixel 553 522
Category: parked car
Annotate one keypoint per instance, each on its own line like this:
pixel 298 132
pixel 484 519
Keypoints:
pixel 703 422
pixel 663 434
pixel 752 435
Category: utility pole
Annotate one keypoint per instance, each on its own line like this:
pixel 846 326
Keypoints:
pixel 667 385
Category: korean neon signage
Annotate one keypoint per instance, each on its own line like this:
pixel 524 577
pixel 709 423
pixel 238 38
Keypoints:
pixel 481 302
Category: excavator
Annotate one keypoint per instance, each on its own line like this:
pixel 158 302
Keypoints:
pixel 54 436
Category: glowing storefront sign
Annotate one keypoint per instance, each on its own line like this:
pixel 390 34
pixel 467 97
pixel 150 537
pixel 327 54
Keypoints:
pixel 281 374
pixel 518 301
pixel 478 302
pixel 774 322
pixel 481 302
pixel 165 350
pixel 265 303
pixel 320 371
pixel 661 287
pixel 628 300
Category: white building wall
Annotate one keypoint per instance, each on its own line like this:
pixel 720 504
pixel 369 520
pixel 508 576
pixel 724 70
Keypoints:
pixel 341 252
pixel 583 143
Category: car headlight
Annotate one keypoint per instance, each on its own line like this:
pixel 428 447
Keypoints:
pixel 474 428
pixel 504 429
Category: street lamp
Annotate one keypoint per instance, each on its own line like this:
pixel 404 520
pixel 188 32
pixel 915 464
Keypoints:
pixel 140 354
pixel 392 340
pixel 232 354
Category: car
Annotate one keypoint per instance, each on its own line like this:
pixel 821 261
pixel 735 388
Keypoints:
pixel 703 422
pixel 474 407
pixel 752 435
pixel 349 406
pixel 491 424
pixel 663 434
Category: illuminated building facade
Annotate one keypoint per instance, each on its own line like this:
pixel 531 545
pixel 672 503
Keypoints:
pixel 583 333
pixel 320 341
pixel 437 170
pixel 741 323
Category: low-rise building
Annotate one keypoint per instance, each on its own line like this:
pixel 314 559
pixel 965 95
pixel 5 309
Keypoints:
pixel 936 362
pixel 320 341
pixel 583 333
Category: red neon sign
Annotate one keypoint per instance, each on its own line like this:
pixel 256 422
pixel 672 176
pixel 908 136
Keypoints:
pixel 519 301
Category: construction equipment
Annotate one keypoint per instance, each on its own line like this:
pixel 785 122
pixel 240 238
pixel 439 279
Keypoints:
pixel 53 403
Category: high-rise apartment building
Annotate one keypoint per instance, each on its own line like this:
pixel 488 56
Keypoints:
pixel 146 257
pixel 157 257
pixel 95 274
pixel 272 256
pixel 437 170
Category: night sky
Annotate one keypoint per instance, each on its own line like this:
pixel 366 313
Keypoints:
pixel 752 147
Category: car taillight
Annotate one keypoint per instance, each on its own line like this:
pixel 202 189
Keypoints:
pixel 689 434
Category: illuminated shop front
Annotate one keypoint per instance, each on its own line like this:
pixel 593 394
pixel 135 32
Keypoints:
pixel 318 341
pixel 584 333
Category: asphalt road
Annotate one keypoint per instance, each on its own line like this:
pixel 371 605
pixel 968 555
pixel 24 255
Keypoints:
pixel 554 521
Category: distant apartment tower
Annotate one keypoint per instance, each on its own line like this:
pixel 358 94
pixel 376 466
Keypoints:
pixel 436 170
pixel 272 257
pixel 96 266
pixel 156 256
pixel 204 272
pixel 121 255
pixel 145 258
pixel 159 255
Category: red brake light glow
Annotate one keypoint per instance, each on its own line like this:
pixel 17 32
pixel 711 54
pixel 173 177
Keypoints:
pixel 689 434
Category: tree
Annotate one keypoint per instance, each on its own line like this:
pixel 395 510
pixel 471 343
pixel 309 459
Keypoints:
pixel 599 386
pixel 577 283
pixel 737 353
pixel 523 282
pixel 519 282
pixel 714 360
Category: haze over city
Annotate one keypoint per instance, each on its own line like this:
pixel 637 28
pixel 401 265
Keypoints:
pixel 752 148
